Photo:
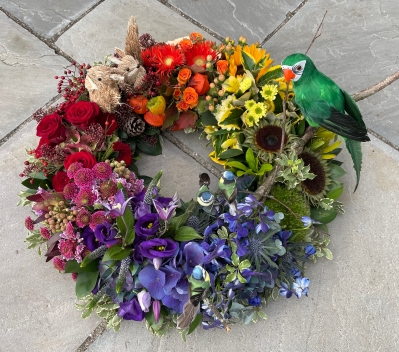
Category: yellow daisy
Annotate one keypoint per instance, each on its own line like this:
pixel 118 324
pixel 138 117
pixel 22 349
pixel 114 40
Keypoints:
pixel 269 91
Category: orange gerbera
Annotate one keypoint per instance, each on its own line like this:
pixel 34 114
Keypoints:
pixel 198 53
pixel 166 58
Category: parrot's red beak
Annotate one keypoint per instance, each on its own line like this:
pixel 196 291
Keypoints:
pixel 288 74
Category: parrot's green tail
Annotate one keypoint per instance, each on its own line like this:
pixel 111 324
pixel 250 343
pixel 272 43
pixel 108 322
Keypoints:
pixel 355 150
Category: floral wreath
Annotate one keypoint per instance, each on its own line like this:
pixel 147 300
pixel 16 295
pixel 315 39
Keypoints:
pixel 215 260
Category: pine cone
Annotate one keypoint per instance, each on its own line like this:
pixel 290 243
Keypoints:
pixel 134 126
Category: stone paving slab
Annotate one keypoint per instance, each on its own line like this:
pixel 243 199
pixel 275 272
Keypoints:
pixel 46 17
pixel 104 28
pixel 353 300
pixel 254 19
pixel 37 306
pixel 359 47
pixel 27 69
pixel 180 172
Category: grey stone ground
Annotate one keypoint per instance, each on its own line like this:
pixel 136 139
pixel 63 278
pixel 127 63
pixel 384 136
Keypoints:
pixel 353 300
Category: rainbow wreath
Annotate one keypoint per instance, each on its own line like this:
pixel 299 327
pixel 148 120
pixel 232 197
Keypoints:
pixel 135 254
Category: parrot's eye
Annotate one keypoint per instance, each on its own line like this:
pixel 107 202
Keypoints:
pixel 299 68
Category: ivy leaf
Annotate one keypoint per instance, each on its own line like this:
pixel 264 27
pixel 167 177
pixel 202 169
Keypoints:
pixel 248 61
pixel 328 253
pixel 230 277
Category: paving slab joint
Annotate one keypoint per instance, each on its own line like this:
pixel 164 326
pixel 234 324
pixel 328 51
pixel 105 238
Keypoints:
pixel 288 16
pixel 192 20
pixel 97 332
pixel 29 119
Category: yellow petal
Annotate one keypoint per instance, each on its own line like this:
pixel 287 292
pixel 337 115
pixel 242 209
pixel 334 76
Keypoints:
pixel 332 147
pixel 328 156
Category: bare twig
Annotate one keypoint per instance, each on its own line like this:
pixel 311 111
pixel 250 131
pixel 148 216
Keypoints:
pixel 284 205
pixel 318 32
pixel 365 93
pixel 284 117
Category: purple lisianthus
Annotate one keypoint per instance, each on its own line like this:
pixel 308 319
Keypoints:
pixel 147 226
pixel 158 248
pixel 89 239
pixel 105 234
pixel 166 206
pixel 131 310
pixel 118 206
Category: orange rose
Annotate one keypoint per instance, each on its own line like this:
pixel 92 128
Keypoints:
pixel 185 44
pixel 184 76
pixel 200 83
pixel 222 66
pixel 182 106
pixel 190 96
pixel 194 36
pixel 154 119
pixel 177 94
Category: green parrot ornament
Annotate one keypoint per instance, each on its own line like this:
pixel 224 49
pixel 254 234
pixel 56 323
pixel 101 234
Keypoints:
pixel 199 283
pixel 228 187
pixel 323 103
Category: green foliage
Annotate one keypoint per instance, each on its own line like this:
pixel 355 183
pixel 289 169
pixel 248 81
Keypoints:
pixel 294 170
pixel 255 167
pixel 297 203
pixel 35 239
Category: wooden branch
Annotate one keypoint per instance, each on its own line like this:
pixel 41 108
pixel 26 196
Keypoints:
pixel 318 32
pixel 365 93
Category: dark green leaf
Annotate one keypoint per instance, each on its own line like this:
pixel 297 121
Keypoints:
pixel 195 323
pixel 322 215
pixel 150 149
pixel 219 132
pixel 130 236
pixel 247 60
pixel 230 153
pixel 116 252
pixel 122 134
pixel 237 165
pixel 72 266
pixel 336 171
pixel 37 182
pixel 208 119
pixel 233 118
pixel 85 283
pixel 335 192
pixel 274 73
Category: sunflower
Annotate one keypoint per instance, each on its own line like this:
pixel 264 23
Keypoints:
pixel 265 139
pixel 315 190
pixel 198 53
pixel 256 52
pixel 166 58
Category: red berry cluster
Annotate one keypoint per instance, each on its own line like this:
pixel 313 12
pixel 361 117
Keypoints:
pixel 72 83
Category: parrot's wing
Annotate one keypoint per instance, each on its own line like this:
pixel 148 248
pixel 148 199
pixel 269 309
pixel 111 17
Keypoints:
pixel 190 311
pixel 352 109
pixel 355 150
pixel 321 113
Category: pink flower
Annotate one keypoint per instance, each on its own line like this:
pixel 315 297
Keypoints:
pixel 70 191
pixel 97 218
pixel 102 171
pixel 85 198
pixel 59 264
pixel 84 177
pixel 29 223
pixel 44 231
pixel 83 218
pixel 73 168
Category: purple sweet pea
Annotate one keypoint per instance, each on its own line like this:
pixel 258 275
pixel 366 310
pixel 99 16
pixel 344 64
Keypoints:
pixel 147 226
pixel 156 308
pixel 166 206
pixel 119 205
pixel 131 310
pixel 309 250
pixel 158 248
pixel 105 234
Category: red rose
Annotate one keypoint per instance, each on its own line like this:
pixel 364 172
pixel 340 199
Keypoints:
pixel 87 159
pixel 38 150
pixel 79 113
pixel 59 181
pixel 50 127
pixel 124 152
